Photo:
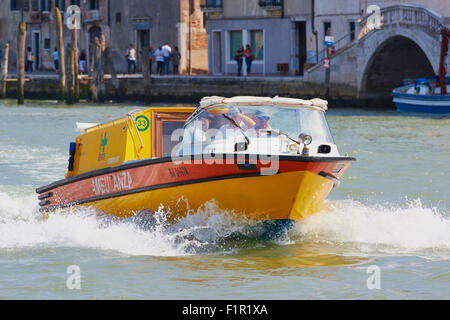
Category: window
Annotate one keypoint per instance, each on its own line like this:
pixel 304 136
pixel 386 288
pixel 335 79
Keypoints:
pixel 35 5
pixel 257 44
pixel 46 5
pixel 118 17
pixel 270 3
pixel 14 5
pixel 326 29
pixel 94 5
pixel 235 42
pixel 75 2
pixel 47 43
pixel 213 4
pixel 60 4
pixel 165 125
pixel 352 30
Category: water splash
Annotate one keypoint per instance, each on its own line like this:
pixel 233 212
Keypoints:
pixel 368 229
pixel 380 228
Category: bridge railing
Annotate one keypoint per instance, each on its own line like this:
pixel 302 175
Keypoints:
pixel 338 45
pixel 401 15
pixel 397 15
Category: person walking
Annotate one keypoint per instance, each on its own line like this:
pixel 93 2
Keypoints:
pixel 29 60
pixel 131 56
pixel 167 52
pixel 238 57
pixel 176 57
pixel 248 54
pixel 159 60
pixel 56 60
pixel 150 59
pixel 83 62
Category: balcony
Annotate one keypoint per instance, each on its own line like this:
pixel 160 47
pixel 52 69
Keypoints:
pixel 212 6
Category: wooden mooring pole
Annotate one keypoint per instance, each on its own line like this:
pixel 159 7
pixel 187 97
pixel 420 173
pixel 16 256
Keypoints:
pixel 5 70
pixel 99 69
pixel 70 78
pixel 21 52
pixel 62 66
pixel 76 66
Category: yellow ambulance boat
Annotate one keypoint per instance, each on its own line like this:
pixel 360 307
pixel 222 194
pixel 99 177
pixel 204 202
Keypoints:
pixel 256 157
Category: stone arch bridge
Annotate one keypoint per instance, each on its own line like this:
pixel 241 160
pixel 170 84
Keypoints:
pixel 404 44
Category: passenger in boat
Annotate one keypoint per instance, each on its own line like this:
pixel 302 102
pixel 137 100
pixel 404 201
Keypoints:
pixel 242 120
pixel 194 134
pixel 262 122
pixel 232 123
pixel 197 132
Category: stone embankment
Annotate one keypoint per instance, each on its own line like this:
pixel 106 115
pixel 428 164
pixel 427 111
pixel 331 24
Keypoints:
pixel 191 89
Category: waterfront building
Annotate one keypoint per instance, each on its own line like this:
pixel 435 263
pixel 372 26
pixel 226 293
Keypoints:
pixel 276 30
pixel 288 35
pixel 41 36
pixel 141 22
pixel 155 22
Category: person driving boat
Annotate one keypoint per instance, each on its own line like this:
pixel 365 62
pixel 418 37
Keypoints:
pixel 262 122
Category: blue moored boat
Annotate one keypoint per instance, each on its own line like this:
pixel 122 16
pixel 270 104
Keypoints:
pixel 424 95
pixel 428 95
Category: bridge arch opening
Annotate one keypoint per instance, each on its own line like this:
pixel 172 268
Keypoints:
pixel 396 59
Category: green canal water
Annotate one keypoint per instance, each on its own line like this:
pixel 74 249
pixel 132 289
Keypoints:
pixel 386 236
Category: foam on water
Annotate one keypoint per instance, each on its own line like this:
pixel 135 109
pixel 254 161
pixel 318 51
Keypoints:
pixel 371 229
pixel 381 228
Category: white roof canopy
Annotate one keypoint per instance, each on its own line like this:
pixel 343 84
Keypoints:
pixel 215 101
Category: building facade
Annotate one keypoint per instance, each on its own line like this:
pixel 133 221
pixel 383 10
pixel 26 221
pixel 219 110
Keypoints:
pixel 153 23
pixel 288 32
pixel 276 31
pixel 140 22
pixel 41 33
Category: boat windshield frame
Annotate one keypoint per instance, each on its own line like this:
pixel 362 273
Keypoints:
pixel 320 131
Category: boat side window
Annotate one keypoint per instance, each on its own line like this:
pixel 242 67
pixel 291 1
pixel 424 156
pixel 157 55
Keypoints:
pixel 166 127
pixel 167 143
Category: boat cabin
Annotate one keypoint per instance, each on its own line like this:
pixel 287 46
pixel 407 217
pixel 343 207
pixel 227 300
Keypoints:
pixel 249 125
pixel 140 135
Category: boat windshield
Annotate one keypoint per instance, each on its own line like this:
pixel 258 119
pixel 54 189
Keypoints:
pixel 250 122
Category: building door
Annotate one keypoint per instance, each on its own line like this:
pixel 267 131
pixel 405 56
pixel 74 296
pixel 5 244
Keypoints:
pixel 95 32
pixel 35 48
pixel 217 52
pixel 143 42
pixel 301 54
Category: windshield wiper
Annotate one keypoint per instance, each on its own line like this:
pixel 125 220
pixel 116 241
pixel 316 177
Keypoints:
pixel 278 132
pixel 238 126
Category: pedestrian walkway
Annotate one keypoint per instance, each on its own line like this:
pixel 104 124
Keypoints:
pixel 253 77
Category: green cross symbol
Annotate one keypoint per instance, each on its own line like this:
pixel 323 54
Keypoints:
pixel 104 142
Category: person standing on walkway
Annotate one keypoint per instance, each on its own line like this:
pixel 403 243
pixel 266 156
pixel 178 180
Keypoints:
pixel 131 55
pixel 159 60
pixel 167 51
pixel 238 57
pixel 248 54
pixel 56 60
pixel 83 62
pixel 29 58
pixel 176 57
pixel 150 59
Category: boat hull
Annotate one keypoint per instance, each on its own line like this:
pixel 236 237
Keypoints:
pixel 295 190
pixel 436 104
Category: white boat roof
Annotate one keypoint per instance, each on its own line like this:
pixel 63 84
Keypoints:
pixel 208 103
